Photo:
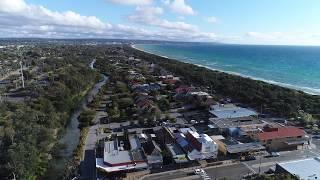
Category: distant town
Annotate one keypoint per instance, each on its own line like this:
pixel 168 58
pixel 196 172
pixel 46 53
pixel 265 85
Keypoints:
pixel 139 120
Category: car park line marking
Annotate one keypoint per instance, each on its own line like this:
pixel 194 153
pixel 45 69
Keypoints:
pixel 250 168
pixel 314 153
pixel 263 164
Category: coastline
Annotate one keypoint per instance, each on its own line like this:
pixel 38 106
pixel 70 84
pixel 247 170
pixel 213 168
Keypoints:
pixel 307 90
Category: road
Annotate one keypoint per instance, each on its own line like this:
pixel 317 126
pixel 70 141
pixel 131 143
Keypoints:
pixel 170 175
pixel 92 136
pixel 267 163
pixel 236 171
pixel 232 172
pixel 88 165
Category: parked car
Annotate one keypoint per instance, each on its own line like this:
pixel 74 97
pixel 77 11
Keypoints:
pixel 194 121
pixel 247 158
pixel 275 154
pixel 199 171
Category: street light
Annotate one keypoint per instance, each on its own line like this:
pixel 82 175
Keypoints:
pixel 260 164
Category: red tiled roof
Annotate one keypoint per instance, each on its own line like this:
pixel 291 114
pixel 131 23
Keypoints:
pixel 170 81
pixel 183 89
pixel 283 132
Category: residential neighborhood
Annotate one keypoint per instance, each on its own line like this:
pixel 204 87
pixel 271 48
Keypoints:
pixel 142 121
pixel 157 122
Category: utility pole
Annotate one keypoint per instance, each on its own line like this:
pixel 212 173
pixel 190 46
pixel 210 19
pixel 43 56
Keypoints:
pixel 22 78
pixel 260 165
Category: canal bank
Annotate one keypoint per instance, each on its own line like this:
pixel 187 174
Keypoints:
pixel 70 139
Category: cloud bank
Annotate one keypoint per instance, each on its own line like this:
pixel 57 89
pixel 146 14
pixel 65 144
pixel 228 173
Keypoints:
pixel 131 2
pixel 20 19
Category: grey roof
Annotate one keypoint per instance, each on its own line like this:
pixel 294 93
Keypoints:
pixel 235 122
pixel 295 142
pixel 113 155
pixel 174 149
pixel 245 147
pixel 305 168
pixel 137 155
pixel 231 111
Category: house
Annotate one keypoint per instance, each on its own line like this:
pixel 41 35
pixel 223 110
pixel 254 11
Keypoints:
pixel 181 92
pixel 138 88
pixel 165 135
pixel 153 153
pixel 282 138
pixel 200 98
pixel 170 81
pixel 176 153
pixel 196 146
pixel 150 149
pixel 184 89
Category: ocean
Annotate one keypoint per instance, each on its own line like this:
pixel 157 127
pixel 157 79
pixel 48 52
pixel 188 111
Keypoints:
pixel 296 67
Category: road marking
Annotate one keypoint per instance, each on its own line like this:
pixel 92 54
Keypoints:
pixel 250 168
pixel 263 164
pixel 314 153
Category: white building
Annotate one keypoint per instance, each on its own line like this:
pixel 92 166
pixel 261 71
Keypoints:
pixel 116 158
pixel 197 146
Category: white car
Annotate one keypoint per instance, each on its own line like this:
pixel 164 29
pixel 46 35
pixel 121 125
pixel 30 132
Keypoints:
pixel 199 171
pixel 275 154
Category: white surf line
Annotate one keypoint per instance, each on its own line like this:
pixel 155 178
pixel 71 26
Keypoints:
pixel 249 167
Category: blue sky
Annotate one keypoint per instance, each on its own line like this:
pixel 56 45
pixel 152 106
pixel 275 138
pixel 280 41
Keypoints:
pixel 230 21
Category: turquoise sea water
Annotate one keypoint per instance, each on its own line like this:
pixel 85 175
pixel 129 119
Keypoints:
pixel 295 67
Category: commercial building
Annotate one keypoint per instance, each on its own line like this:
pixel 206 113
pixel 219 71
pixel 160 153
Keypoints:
pixel 230 111
pixel 233 147
pixel 305 169
pixel 241 126
pixel 116 158
pixel 283 138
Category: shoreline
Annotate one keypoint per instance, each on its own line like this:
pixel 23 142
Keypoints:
pixel 307 90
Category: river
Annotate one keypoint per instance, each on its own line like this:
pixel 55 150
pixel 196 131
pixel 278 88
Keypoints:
pixel 70 139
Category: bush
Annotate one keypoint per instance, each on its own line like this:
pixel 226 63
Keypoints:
pixel 86 118
pixel 125 102
pixel 121 87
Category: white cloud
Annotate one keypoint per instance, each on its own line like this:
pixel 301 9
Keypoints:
pixel 12 5
pixel 180 7
pixel 131 2
pixel 150 16
pixel 212 19
pixel 20 19
pixel 181 17
pixel 17 12
pixel 279 38
pixel 265 36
